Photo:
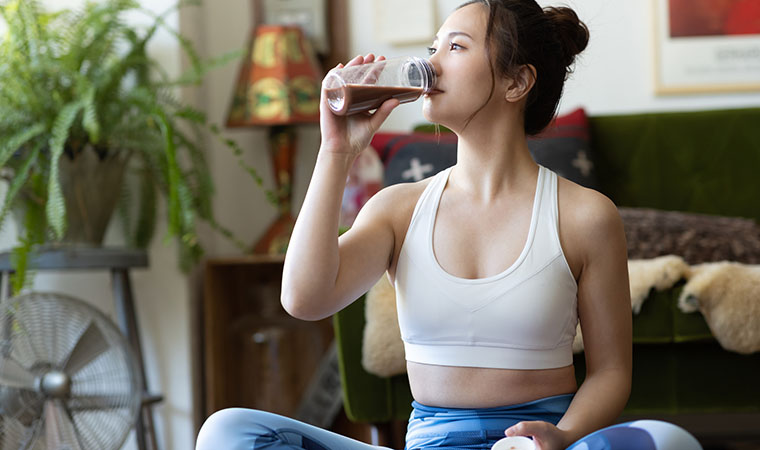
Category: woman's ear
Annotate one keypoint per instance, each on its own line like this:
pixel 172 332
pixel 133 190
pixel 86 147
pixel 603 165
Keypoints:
pixel 519 86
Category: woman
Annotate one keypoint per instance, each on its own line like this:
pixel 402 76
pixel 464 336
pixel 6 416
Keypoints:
pixel 487 307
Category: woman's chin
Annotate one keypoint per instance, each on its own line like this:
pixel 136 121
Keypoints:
pixel 430 114
pixel 436 118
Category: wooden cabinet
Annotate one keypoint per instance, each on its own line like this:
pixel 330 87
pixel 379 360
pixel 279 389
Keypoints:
pixel 248 352
pixel 254 354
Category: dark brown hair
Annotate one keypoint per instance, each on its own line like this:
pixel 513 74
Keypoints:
pixel 520 32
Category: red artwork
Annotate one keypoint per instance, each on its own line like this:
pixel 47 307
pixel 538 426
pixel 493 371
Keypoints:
pixel 689 18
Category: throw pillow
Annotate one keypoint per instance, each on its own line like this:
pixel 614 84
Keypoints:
pixel 416 156
pixel 563 147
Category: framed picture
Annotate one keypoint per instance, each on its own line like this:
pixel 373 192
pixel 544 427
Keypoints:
pixel 707 46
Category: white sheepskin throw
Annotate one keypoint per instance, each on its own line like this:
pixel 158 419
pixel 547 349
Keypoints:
pixel 645 275
pixel 657 273
pixel 728 296
pixel 383 349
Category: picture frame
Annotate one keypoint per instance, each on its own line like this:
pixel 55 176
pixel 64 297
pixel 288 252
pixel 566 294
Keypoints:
pixel 704 46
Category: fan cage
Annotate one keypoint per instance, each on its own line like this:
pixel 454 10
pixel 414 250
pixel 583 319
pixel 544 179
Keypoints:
pixel 43 332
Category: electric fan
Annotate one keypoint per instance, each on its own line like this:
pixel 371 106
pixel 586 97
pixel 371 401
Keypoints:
pixel 68 378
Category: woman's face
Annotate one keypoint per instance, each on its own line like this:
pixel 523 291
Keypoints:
pixel 461 62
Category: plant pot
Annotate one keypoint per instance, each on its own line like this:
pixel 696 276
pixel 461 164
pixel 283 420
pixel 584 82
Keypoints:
pixel 91 186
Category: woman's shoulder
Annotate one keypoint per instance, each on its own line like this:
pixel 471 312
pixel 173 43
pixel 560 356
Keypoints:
pixel 398 197
pixel 587 218
pixel 395 203
pixel 585 206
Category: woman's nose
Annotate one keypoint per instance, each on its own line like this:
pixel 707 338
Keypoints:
pixel 436 64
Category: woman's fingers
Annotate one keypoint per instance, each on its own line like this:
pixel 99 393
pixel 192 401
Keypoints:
pixel 356 61
pixel 382 113
pixel 373 74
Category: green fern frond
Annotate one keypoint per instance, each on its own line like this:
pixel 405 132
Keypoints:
pixel 11 144
pixel 173 171
pixel 90 121
pixel 56 207
pixel 19 179
pixel 199 181
pixel 30 238
pixel 195 75
pixel 146 218
pixel 185 44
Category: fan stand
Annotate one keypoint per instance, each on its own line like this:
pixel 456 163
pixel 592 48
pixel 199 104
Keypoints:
pixel 118 261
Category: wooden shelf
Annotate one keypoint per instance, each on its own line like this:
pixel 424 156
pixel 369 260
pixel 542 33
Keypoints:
pixel 254 354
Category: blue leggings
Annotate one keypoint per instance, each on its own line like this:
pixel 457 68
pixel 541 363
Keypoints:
pixel 432 427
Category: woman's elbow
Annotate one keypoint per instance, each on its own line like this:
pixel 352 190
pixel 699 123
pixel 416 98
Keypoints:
pixel 299 307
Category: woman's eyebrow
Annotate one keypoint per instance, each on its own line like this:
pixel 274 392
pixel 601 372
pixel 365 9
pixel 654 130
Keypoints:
pixel 454 33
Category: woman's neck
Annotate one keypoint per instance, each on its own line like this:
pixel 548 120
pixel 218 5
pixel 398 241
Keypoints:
pixel 493 161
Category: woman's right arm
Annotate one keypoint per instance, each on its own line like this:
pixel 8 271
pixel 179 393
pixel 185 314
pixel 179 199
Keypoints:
pixel 323 273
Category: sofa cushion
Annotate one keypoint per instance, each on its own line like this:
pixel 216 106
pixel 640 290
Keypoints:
pixel 697 161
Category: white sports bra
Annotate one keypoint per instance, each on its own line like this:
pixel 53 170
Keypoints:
pixel 522 318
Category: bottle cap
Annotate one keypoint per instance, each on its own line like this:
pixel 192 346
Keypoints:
pixel 514 443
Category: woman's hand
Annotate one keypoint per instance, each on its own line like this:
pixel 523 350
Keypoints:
pixel 545 435
pixel 351 134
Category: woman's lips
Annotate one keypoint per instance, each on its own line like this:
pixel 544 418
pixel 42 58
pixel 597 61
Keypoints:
pixel 434 92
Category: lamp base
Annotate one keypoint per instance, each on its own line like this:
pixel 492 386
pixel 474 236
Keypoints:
pixel 275 240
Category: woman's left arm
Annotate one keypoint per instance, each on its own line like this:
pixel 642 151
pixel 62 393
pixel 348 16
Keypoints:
pixel 604 308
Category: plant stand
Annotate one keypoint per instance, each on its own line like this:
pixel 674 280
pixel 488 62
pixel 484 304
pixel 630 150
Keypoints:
pixel 118 261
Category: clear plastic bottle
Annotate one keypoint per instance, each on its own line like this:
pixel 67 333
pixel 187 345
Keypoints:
pixel 365 87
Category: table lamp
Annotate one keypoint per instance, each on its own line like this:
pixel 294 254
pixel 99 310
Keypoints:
pixel 278 86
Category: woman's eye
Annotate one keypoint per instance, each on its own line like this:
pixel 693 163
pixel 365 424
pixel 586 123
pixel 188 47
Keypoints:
pixel 431 50
pixel 454 46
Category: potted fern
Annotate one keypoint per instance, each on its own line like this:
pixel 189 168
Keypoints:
pixel 88 121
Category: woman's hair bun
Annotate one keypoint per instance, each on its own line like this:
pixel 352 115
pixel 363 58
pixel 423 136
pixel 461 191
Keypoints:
pixel 572 33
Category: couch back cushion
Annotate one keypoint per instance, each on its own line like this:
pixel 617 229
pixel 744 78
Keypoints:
pixel 703 162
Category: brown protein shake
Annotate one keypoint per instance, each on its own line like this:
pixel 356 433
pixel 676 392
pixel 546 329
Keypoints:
pixel 355 98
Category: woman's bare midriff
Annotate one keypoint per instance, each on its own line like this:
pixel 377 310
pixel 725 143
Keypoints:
pixel 470 387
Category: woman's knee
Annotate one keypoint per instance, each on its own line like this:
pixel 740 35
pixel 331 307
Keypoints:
pixel 640 434
pixel 231 428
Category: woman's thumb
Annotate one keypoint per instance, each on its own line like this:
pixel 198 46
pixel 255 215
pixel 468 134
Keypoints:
pixel 522 429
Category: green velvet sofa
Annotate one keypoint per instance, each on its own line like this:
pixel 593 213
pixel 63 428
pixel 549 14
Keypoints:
pixel 703 162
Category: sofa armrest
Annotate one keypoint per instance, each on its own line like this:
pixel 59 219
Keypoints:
pixel 366 397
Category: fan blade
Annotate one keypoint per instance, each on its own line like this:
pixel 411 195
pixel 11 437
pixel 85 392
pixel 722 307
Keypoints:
pixel 60 432
pixel 89 346
pixel 95 402
pixel 12 374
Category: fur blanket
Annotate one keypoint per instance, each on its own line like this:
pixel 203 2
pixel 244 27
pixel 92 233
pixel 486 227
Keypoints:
pixel 727 294
pixel 645 275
